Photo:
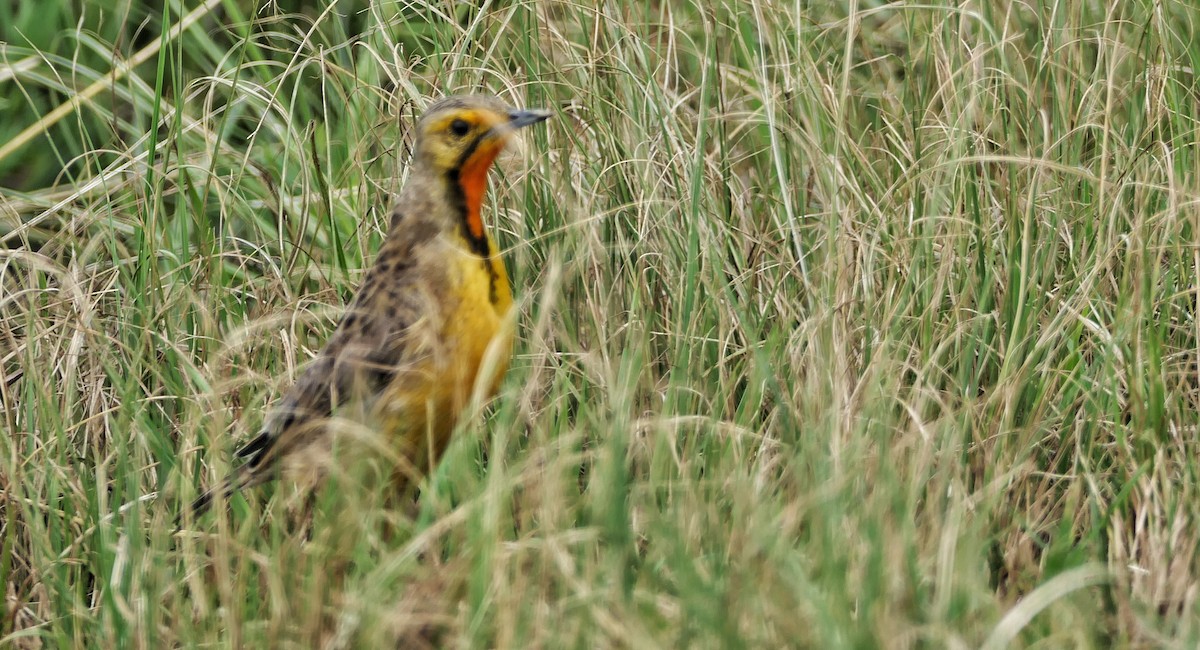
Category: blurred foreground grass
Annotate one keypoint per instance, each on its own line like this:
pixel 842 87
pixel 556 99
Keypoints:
pixel 841 326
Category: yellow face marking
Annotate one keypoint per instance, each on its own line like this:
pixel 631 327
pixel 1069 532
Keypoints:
pixel 475 117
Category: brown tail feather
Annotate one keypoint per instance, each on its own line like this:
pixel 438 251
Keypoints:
pixel 242 477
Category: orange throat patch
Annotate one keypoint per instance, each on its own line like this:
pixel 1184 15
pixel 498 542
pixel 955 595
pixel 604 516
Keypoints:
pixel 472 178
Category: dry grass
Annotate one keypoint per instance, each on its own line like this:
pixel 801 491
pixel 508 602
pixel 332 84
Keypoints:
pixel 839 328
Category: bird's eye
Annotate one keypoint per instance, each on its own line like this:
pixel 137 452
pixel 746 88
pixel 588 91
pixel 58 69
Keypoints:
pixel 459 127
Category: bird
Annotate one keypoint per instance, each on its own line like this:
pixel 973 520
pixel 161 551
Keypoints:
pixel 430 321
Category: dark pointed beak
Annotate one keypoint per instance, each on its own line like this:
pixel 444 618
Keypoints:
pixel 518 119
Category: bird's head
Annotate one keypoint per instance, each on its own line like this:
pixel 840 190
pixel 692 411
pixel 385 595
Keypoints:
pixel 460 136
pixel 464 131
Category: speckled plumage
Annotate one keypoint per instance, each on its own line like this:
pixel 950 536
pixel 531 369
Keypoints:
pixel 430 323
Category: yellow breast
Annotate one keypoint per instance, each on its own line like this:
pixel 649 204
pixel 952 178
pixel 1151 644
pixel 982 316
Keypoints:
pixel 420 410
pixel 481 328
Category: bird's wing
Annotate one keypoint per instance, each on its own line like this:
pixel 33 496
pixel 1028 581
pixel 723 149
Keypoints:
pixel 373 342
pixel 379 336
pixel 364 353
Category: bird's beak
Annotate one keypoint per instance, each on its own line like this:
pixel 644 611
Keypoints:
pixel 518 119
